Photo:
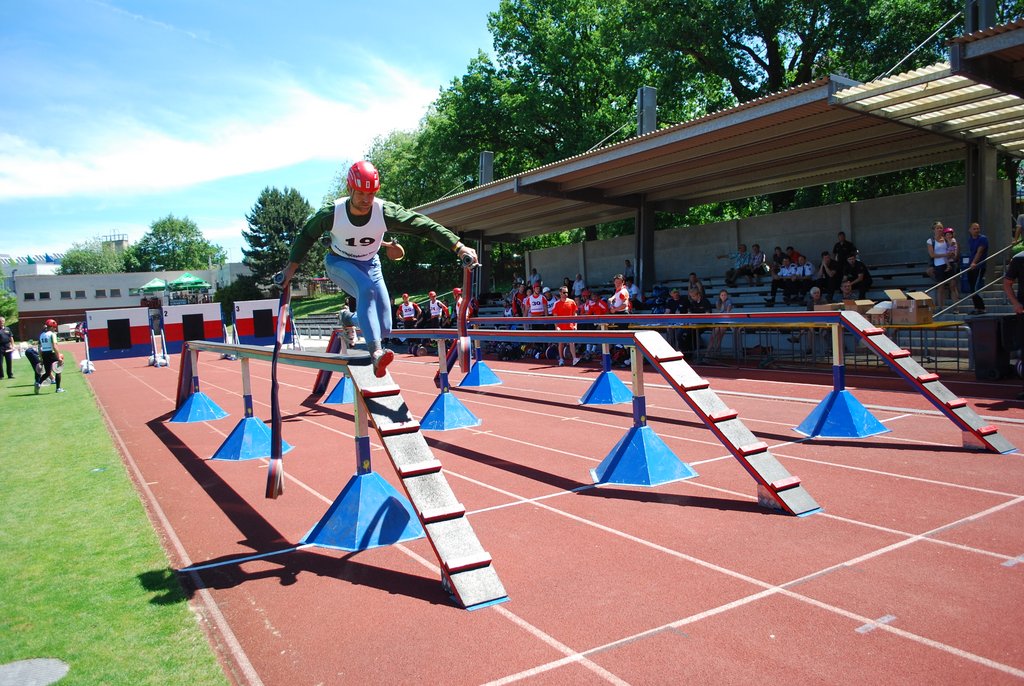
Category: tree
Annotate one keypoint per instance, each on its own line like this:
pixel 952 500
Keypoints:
pixel 245 287
pixel 92 257
pixel 275 221
pixel 174 244
pixel 8 306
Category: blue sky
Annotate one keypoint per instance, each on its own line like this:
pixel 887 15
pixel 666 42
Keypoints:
pixel 116 113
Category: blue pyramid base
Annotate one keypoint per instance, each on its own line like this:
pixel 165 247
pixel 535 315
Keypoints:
pixel 369 513
pixel 840 415
pixel 480 375
pixel 641 458
pixel 198 408
pixel 607 389
pixel 342 393
pixel 249 440
pixel 447 412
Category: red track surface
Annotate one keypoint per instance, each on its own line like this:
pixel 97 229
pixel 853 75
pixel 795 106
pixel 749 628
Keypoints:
pixel 687 581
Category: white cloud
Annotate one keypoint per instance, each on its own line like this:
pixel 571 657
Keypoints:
pixel 284 125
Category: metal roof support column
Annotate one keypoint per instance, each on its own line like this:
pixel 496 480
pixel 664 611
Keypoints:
pixel 982 188
pixel 644 246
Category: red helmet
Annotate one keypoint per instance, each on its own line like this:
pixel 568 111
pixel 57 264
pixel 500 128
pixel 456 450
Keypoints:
pixel 363 176
pixel 51 324
pixel 405 296
pixel 457 291
pixel 432 294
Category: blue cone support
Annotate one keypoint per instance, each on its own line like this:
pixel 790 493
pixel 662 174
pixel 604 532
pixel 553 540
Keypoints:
pixel 368 513
pixel 342 393
pixel 641 458
pixel 198 408
pixel 447 412
pixel 249 440
pixel 607 389
pixel 840 414
pixel 480 375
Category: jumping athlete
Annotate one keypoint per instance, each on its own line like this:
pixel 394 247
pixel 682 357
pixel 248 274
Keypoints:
pixel 357 224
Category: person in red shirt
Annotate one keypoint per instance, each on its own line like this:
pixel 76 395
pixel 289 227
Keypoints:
pixel 565 307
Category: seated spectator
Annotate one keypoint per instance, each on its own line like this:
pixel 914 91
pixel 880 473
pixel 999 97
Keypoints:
pixel 776 261
pixel 696 303
pixel 805 277
pixel 780 281
pixel 792 253
pixel 828 276
pixel 694 282
pixel 675 304
pixel 636 298
pixel 758 265
pixel 740 262
pixel 722 306
pixel 859 276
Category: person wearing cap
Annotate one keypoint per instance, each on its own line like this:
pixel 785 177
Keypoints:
pixel 50 354
pixel 356 225
pixel 437 312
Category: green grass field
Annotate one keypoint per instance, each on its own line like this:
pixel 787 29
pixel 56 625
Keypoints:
pixel 82 574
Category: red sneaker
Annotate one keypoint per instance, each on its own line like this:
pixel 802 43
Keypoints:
pixel 381 359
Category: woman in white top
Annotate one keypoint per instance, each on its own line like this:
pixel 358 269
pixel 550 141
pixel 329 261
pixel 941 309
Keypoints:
pixel 938 250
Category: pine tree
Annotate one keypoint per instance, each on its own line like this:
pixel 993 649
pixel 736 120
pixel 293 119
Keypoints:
pixel 274 223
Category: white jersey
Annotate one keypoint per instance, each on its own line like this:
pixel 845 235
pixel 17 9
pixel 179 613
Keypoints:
pixel 357 242
pixel 408 310
pixel 46 341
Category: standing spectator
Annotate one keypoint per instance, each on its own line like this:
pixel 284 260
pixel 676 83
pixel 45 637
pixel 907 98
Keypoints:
pixel 535 304
pixel 618 302
pixel 977 248
pixel 52 357
pixel 437 312
pixel 858 275
pixel 534 278
pixel 577 287
pixel 723 306
pixel 6 348
pixel 565 307
pixel 595 306
pixel 828 275
pixel 740 264
pixel 937 249
pixel 843 248
pixel 627 270
pixel 952 263
pixel 518 300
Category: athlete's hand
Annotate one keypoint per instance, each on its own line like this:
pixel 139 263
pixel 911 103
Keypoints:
pixel 468 257
pixel 393 250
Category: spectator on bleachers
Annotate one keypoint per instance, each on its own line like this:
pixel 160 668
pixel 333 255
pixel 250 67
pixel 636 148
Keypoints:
pixel 696 303
pixel 828 275
pixel 740 261
pixel 636 297
pixel 858 274
pixel 792 253
pixel 937 250
pixel 577 287
pixel 675 304
pixel 804 276
pixel 694 281
pixel 759 266
pixel 594 306
pixel 534 278
pixel 519 300
pixel 722 306
pixel 977 248
pixel 627 270
pixel 781 281
pixel 843 248
pixel 776 261
pixel 819 335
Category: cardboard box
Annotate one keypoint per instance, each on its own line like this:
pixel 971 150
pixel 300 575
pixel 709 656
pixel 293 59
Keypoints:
pixel 915 308
pixel 860 306
pixel 828 307
pixel 895 294
pixel 879 314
